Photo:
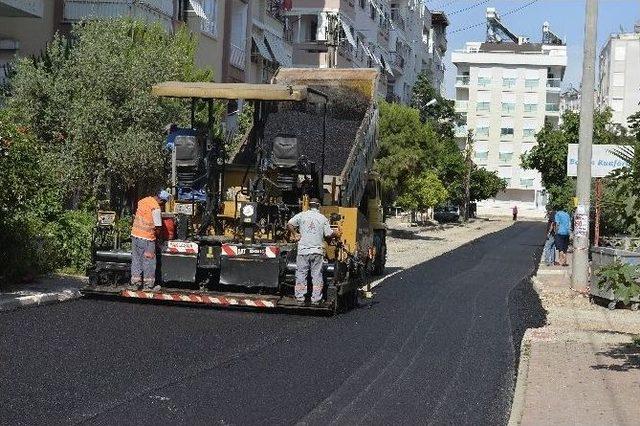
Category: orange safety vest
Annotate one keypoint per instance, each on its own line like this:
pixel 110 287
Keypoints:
pixel 143 226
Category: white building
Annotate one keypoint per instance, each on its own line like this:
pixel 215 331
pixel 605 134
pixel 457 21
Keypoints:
pixel 508 90
pixel 395 36
pixel 619 75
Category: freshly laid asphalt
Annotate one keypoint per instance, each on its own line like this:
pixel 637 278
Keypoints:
pixel 438 345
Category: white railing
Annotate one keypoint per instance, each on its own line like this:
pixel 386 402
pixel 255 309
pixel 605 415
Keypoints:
pixel 237 57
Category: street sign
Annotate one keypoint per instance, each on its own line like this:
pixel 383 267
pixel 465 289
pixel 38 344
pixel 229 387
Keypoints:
pixel 603 160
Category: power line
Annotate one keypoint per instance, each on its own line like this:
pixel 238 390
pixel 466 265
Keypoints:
pixel 464 9
pixel 509 12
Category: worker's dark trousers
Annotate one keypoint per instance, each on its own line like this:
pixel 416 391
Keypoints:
pixel 143 261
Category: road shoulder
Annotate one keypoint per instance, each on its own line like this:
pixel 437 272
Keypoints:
pixel 50 289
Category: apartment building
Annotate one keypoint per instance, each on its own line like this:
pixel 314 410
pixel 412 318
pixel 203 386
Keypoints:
pixel 508 88
pixel 241 41
pixel 619 75
pixel 397 37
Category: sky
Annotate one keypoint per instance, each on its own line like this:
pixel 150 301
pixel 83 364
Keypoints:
pixel 566 19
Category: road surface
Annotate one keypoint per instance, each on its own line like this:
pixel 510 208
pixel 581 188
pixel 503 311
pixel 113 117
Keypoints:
pixel 438 345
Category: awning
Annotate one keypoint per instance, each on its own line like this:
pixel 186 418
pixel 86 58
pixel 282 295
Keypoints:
pixel 278 49
pixel 348 34
pixel 387 66
pixel 368 52
pixel 262 48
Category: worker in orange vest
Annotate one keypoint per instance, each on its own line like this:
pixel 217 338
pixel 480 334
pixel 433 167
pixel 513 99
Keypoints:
pixel 147 228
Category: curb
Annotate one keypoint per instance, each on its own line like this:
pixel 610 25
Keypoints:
pixel 517 405
pixel 38 299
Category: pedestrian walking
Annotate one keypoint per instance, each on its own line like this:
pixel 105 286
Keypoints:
pixel 514 211
pixel 313 228
pixel 146 229
pixel 562 225
pixel 549 252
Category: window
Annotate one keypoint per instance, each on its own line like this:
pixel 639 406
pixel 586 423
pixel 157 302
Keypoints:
pixel 483 106
pixel 484 81
pixel 508 108
pixel 482 131
pixel 506 131
pixel 506 127
pixel 508 82
pixel 530 107
pixel 505 157
pixel 617 104
pixel 528 133
pixel 508 103
pixel 526 183
pixel 620 53
pixel 529 129
pixel 481 155
pixel 618 79
pixel 530 102
pixel 210 9
pixel 532 83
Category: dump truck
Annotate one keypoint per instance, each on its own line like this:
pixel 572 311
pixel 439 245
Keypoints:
pixel 313 135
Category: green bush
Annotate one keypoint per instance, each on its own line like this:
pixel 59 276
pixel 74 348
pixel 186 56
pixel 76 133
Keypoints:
pixel 621 278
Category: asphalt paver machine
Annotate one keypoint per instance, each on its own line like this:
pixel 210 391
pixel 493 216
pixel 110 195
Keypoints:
pixel 314 134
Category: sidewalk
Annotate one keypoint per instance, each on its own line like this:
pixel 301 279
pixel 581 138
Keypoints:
pixel 583 367
pixel 50 289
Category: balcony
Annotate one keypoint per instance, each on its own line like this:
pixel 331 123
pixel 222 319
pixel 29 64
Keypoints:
pixel 274 9
pixel 237 57
pixel 553 84
pixel 147 10
pixel 552 108
pixel 22 8
pixel 462 81
pixel 462 106
pixel 397 61
pixel 397 19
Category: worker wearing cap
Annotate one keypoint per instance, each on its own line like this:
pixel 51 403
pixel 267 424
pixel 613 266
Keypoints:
pixel 147 227
pixel 313 228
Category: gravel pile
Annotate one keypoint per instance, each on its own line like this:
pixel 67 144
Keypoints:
pixel 307 127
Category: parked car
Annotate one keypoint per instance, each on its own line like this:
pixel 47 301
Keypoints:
pixel 448 213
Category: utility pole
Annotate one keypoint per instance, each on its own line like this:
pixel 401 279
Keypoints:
pixel 467 177
pixel 580 273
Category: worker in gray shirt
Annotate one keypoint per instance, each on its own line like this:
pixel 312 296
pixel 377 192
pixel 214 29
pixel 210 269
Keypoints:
pixel 313 228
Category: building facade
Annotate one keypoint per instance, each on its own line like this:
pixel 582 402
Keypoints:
pixel 241 41
pixel 507 91
pixel 398 37
pixel 619 75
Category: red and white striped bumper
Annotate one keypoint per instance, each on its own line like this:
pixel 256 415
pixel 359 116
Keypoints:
pixel 199 298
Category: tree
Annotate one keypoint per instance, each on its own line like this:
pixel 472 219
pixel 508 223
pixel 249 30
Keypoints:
pixel 441 114
pixel 87 100
pixel 485 184
pixel 422 192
